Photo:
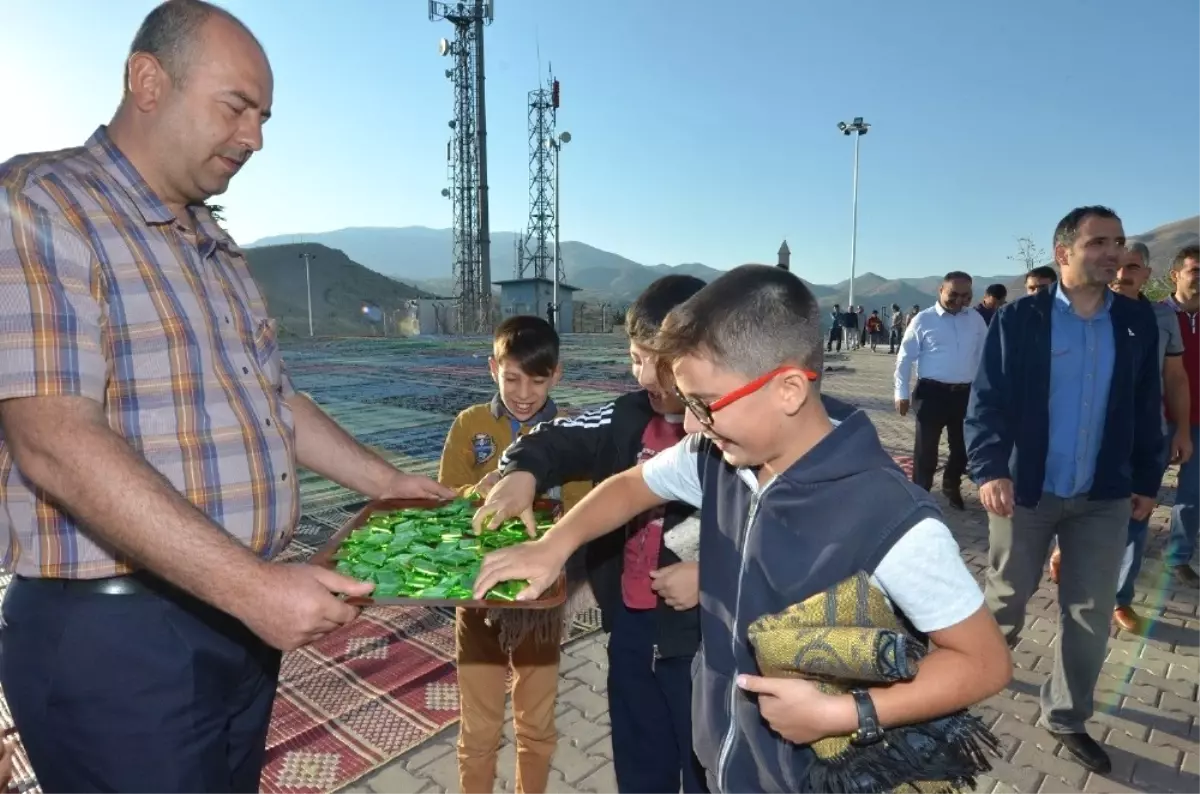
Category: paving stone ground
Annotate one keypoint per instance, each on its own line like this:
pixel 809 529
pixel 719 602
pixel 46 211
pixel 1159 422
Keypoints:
pixel 1146 699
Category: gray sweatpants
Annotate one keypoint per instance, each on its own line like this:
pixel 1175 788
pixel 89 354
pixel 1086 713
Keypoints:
pixel 1092 537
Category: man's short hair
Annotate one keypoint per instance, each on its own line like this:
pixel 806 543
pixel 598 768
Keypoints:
pixel 1042 273
pixel 956 275
pixel 1068 228
pixel 1185 253
pixel 645 315
pixel 751 320
pixel 528 342
pixel 170 33
pixel 997 291
pixel 1139 248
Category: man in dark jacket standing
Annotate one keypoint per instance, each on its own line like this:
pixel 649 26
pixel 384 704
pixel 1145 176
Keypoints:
pixel 1063 437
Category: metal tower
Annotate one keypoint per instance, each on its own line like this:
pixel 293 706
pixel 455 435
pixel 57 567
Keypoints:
pixel 467 157
pixel 539 239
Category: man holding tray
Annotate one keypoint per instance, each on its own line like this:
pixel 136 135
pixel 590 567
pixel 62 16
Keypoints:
pixel 149 438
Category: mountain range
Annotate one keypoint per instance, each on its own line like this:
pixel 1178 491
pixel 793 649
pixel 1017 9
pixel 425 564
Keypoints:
pixel 420 257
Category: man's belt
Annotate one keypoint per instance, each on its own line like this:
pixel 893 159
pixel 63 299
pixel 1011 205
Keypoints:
pixel 130 584
pixel 944 385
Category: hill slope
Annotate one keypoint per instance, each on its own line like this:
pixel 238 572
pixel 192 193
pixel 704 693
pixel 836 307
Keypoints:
pixel 339 287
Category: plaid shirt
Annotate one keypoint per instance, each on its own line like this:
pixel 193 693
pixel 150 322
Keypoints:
pixel 104 295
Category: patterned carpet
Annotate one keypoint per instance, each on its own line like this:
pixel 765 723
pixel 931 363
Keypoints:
pixel 385 684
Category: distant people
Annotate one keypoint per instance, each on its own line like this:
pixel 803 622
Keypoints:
pixel 1185 302
pixel 850 327
pixel 1064 436
pixel 944 342
pixel 835 329
pixel 874 329
pixel 1039 278
pixel 862 327
pixel 995 296
pixel 550 312
pixel 895 329
pixel 912 313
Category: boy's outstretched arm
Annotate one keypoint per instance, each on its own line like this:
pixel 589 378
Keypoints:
pixel 561 450
pixel 612 504
pixel 671 476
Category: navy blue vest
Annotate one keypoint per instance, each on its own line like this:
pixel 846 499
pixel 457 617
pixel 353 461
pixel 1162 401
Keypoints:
pixel 835 512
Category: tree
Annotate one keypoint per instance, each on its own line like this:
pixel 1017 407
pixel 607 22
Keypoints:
pixel 217 211
pixel 1158 287
pixel 1029 255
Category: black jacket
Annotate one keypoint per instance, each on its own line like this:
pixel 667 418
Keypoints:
pixel 598 444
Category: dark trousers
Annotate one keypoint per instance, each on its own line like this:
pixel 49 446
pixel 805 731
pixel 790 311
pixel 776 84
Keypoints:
pixel 835 338
pixel 650 705
pixel 894 340
pixel 150 691
pixel 939 406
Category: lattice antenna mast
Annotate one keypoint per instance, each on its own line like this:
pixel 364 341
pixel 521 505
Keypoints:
pixel 519 255
pixel 539 239
pixel 467 159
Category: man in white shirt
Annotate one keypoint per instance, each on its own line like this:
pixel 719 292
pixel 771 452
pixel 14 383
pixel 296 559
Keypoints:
pixel 945 342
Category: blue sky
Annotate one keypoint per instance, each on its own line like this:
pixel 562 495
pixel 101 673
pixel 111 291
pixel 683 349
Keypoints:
pixel 704 130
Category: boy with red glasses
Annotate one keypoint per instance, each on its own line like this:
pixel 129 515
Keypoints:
pixel 791 504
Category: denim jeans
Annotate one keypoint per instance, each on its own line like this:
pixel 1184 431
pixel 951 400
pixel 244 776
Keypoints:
pixel 1135 545
pixel 1185 516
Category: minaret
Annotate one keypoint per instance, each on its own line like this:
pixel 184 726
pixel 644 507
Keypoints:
pixel 785 257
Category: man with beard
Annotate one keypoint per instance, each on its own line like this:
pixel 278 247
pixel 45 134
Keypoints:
pixel 945 342
pixel 1064 434
pixel 150 438
pixel 1185 302
pixel 1177 448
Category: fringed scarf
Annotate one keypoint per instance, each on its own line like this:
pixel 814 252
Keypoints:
pixel 849 637
pixel 545 625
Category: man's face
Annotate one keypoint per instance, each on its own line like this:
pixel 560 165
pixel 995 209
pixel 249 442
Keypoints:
pixel 1093 258
pixel 955 295
pixel 1132 274
pixel 748 430
pixel 207 128
pixel 1187 278
pixel 1034 283
pixel 657 381
pixel 992 302
pixel 522 394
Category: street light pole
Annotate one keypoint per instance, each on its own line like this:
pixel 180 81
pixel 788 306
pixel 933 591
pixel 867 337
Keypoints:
pixel 306 256
pixel 557 144
pixel 857 128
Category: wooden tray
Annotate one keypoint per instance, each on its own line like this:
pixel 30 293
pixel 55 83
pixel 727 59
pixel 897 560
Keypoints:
pixel 553 597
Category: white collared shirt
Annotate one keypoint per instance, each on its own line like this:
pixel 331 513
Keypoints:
pixel 945 347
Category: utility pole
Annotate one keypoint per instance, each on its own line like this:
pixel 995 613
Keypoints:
pixel 306 256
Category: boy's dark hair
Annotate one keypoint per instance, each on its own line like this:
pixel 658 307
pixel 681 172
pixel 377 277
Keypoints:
pixel 1185 253
pixel 645 315
pixel 529 342
pixel 1068 228
pixel 751 320
pixel 997 291
pixel 1044 271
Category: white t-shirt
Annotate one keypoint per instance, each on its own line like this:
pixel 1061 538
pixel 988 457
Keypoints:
pixel 923 574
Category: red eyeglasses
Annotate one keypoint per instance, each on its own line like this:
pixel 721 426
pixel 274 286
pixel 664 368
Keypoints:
pixel 704 412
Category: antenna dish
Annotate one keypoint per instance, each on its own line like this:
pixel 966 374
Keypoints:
pixel 565 137
pixel 443 47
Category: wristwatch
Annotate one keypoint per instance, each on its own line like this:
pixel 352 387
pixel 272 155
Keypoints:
pixel 869 730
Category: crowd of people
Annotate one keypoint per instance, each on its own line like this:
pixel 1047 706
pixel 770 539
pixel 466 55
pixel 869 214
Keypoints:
pixel 150 437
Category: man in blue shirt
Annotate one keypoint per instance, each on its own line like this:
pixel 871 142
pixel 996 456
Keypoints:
pixel 1064 434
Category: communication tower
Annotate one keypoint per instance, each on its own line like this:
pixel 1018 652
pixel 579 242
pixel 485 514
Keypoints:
pixel 539 239
pixel 467 159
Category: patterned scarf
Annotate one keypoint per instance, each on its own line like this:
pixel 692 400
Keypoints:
pixel 849 637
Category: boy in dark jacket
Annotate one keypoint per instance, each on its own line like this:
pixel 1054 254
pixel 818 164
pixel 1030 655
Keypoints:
pixel 790 506
pixel 646 592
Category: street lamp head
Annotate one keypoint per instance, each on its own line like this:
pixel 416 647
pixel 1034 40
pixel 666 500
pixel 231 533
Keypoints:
pixel 842 126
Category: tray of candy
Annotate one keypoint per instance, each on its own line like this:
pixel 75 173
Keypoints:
pixel 424 553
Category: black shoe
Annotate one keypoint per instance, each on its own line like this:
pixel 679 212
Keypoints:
pixel 954 497
pixel 1186 574
pixel 1086 751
